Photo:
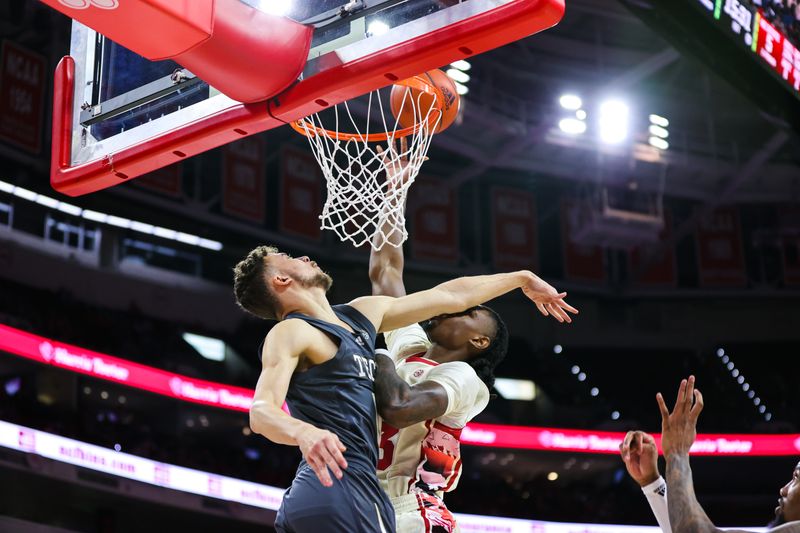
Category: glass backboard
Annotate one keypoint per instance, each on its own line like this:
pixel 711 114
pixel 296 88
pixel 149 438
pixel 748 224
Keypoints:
pixel 118 115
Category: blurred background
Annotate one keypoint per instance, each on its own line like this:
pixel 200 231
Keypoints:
pixel 675 228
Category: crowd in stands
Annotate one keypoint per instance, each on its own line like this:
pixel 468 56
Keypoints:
pixel 785 15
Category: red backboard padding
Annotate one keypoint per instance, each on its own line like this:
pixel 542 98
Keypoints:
pixel 208 37
pixel 336 83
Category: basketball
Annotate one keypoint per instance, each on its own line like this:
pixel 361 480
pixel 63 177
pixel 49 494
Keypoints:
pixel 403 99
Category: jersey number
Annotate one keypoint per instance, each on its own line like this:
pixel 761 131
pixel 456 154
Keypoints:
pixel 388 441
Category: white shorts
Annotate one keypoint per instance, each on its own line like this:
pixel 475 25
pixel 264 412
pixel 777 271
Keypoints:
pixel 423 513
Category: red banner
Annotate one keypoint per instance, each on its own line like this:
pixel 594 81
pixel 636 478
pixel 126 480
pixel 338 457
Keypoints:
pixel 581 262
pixel 655 264
pixel 165 180
pixel 514 242
pixel 720 258
pixel 107 367
pixel 301 198
pixel 22 85
pixel 432 208
pixel 243 179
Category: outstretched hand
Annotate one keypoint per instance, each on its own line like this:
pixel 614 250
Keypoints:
pixel 398 168
pixel 548 300
pixel 640 455
pixel 679 428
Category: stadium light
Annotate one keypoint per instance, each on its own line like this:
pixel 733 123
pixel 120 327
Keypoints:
pixel 658 131
pixel 658 142
pixel 516 389
pixel 461 65
pixel 552 476
pixel 613 121
pixel 461 89
pixel 580 114
pixel 558 349
pixel 104 218
pixel 274 7
pixel 615 415
pixel 572 126
pixel 658 120
pixel 572 102
pixel 595 391
pixel 377 27
pixel 458 75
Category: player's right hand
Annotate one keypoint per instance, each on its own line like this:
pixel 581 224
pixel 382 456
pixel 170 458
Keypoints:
pixel 640 455
pixel 322 450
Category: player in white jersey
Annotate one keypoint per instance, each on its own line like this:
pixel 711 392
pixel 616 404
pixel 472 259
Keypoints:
pixel 434 380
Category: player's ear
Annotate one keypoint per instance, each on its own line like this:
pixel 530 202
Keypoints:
pixel 480 342
pixel 281 280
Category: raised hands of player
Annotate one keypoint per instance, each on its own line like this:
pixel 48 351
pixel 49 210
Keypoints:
pixel 397 164
pixel 679 428
pixel 322 450
pixel 548 300
pixel 640 455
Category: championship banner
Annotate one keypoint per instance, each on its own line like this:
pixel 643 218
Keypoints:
pixel 581 262
pixel 301 197
pixel 22 85
pixel 645 268
pixel 720 258
pixel 165 180
pixel 514 242
pixel 243 179
pixel 433 213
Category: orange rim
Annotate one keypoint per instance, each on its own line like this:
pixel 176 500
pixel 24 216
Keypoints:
pixel 307 128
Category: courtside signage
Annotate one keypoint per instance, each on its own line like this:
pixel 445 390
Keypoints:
pixel 181 387
pixel 174 477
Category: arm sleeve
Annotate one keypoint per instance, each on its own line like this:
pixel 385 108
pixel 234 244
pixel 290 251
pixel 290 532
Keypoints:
pixel 656 494
pixel 467 395
pixel 406 341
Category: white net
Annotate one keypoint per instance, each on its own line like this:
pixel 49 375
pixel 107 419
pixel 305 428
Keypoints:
pixel 368 175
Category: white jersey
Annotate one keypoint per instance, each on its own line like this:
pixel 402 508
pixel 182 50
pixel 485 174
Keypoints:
pixel 426 456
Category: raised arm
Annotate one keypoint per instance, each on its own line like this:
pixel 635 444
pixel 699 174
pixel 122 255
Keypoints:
pixel 321 449
pixel 459 294
pixel 402 405
pixel 386 264
pixel 679 431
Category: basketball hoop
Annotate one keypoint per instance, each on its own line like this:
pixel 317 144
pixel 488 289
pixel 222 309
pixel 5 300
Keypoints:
pixel 366 197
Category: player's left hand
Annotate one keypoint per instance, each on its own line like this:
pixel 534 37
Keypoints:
pixel 398 167
pixel 679 428
pixel 548 300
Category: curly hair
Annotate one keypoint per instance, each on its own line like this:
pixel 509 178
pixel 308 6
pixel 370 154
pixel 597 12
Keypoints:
pixel 487 360
pixel 250 285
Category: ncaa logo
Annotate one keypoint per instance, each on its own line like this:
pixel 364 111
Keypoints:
pixel 85 4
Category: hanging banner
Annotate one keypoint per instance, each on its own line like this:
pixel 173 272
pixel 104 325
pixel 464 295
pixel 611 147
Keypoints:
pixel 654 265
pixel 720 258
pixel 22 84
pixel 432 211
pixel 165 180
pixel 301 197
pixel 581 262
pixel 514 242
pixel 243 179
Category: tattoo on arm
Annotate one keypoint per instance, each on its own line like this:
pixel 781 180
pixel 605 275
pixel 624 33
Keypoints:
pixel 685 513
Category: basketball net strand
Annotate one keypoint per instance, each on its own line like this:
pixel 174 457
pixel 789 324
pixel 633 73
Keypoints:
pixel 366 190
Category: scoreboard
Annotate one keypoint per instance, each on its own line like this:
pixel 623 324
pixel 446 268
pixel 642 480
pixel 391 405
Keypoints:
pixel 767 43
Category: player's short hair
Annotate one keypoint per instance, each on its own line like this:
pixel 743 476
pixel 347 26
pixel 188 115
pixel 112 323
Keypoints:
pixel 253 293
pixel 486 361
